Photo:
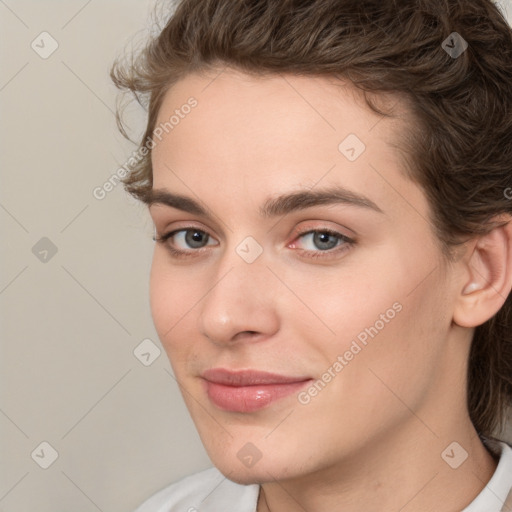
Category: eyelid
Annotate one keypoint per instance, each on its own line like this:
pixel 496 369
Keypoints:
pixel 298 232
pixel 323 225
pixel 187 226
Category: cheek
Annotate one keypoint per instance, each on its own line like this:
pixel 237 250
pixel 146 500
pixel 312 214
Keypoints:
pixel 170 301
pixel 398 361
pixel 160 297
pixel 386 377
pixel 342 303
pixel 389 320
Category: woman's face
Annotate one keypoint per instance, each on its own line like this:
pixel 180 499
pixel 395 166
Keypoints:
pixel 355 323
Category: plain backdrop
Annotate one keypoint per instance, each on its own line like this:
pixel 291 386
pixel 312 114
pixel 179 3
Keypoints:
pixel 77 394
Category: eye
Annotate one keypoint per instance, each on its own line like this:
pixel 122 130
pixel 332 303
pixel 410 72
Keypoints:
pixel 328 242
pixel 193 237
pixel 194 240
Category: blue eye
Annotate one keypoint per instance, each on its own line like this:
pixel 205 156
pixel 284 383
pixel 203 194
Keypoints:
pixel 322 239
pixel 328 242
pixel 194 237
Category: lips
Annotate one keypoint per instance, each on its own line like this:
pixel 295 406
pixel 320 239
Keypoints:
pixel 248 390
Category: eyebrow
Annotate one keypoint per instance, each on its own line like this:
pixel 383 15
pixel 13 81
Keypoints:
pixel 272 207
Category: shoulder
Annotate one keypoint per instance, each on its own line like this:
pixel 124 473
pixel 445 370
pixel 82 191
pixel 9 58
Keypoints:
pixel 207 491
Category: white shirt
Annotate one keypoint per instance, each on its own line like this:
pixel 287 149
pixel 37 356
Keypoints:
pixel 211 491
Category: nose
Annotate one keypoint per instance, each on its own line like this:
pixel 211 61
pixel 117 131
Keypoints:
pixel 241 304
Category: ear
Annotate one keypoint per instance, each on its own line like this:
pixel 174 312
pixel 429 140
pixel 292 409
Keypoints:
pixel 487 276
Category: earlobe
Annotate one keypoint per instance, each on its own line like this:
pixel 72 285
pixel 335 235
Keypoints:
pixel 488 276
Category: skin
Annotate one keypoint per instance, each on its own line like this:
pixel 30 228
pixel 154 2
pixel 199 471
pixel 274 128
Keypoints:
pixel 373 437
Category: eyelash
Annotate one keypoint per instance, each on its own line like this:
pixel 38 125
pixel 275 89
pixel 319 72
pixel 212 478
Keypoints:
pixel 349 242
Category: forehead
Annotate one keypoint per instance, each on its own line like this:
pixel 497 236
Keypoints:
pixel 248 99
pixel 264 115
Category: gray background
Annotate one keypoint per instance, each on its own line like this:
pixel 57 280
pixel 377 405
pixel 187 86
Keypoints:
pixel 71 320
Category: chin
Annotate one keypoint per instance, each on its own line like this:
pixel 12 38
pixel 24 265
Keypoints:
pixel 244 477
pixel 262 471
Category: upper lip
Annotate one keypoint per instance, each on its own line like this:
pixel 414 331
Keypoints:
pixel 247 377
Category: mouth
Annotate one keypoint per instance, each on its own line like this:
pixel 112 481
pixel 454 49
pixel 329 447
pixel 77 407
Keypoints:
pixel 248 390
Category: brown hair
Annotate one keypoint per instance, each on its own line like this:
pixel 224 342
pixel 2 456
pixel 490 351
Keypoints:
pixel 459 150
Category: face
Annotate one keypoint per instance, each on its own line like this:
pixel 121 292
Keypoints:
pixel 292 325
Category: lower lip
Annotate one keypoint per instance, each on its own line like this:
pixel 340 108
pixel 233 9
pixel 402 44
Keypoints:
pixel 249 398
